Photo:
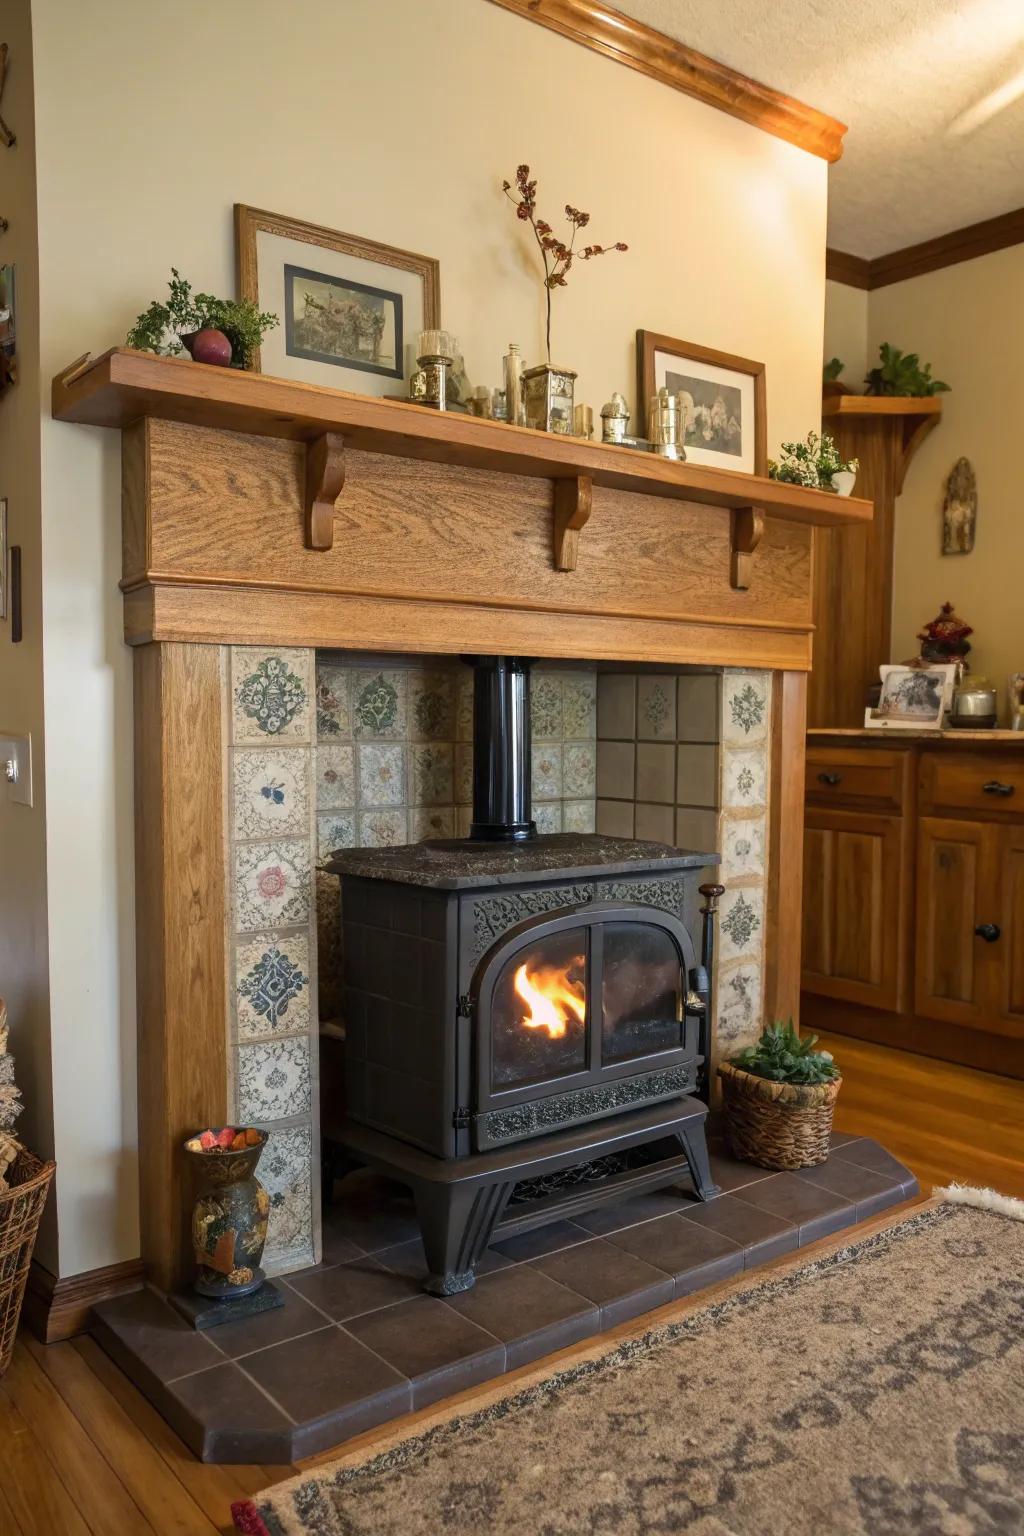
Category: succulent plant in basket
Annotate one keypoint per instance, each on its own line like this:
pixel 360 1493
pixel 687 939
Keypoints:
pixel 777 1100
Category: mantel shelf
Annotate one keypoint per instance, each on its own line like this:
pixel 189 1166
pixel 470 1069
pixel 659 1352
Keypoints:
pixel 123 385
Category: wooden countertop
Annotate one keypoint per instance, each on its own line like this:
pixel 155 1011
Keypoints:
pixel 894 735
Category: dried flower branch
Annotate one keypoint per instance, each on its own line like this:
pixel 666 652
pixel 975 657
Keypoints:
pixel 556 255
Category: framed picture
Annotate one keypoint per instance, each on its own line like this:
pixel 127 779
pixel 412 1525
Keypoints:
pixel 914 698
pixel 351 309
pixel 721 400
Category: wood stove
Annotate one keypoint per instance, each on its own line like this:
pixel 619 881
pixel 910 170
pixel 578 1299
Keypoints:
pixel 521 1007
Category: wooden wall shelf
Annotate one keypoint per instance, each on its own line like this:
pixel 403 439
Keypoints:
pixel 122 386
pixel 918 416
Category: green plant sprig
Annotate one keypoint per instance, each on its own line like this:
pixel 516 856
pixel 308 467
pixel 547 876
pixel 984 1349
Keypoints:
pixel 811 463
pixel 160 327
pixel 902 373
pixel 783 1057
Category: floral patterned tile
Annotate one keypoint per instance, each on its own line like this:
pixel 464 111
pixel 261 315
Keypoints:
pixel 745 708
pixel 273 1079
pixel 464 773
pixel 547 772
pixel 272 884
pixel 431 774
pixel 579 768
pixel 745 780
pixel 739 1006
pixel 578 815
pixel 464 704
pixel 381 774
pixel 270 694
pixel 548 816
pixel 379 704
pixel 743 848
pixel 270 790
pixel 579 705
pixel 328 945
pixel 656 708
pixel 334 830
pixel 286 1172
pixel 427 821
pixel 333 702
pixel 272 992
pixel 546 706
pixel 431 706
pixel 382 829
pixel 335 774
pixel 741 924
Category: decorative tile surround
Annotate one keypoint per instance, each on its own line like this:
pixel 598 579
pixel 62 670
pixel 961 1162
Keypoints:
pixel 334 751
pixel 684 758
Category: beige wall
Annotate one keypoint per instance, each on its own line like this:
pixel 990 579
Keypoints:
pixel 968 322
pixel 395 119
pixel 846 331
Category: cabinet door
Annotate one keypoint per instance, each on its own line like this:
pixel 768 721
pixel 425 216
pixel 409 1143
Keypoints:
pixel 958 880
pixel 1008 950
pixel 854 906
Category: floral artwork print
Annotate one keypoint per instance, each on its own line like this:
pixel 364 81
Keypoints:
pixel 273 983
pixel 377 706
pixel 747 708
pixel 741 923
pixel 656 708
pixel 272 695
pixel 745 781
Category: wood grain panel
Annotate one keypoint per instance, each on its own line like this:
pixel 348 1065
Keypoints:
pixel 819 908
pixel 958 783
pixel 851 777
pixel 135 548
pixel 663 58
pixel 785 858
pixel 180 895
pixel 1011 920
pixel 857 877
pixel 954 874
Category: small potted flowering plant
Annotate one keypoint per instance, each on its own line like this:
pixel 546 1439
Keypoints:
pixel 778 1097
pixel 816 463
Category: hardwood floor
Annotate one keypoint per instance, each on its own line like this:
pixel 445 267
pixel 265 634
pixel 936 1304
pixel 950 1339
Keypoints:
pixel 85 1455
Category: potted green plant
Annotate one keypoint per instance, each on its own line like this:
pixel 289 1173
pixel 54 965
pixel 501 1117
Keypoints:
pixel 777 1100
pixel 192 322
pixel 902 373
pixel 817 463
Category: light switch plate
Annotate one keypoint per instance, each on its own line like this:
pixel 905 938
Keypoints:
pixel 16 769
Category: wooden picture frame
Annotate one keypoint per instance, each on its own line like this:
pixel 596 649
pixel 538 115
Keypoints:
pixel 419 275
pixel 754 459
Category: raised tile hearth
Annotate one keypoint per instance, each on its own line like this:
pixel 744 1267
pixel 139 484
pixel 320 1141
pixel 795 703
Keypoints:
pixel 357 1343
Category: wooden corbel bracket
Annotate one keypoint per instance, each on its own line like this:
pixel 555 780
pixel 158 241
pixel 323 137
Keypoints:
pixel 325 481
pixel 747 531
pixel 573 504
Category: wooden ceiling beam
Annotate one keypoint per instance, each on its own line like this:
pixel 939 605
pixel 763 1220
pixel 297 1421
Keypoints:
pixel 929 255
pixel 662 58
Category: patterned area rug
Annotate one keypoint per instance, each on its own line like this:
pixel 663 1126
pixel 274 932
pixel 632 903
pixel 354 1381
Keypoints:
pixel 878 1390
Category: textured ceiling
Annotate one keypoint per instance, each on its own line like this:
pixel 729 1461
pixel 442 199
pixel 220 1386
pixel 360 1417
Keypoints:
pixel 932 91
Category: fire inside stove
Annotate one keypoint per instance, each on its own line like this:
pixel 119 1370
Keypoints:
pixel 554 996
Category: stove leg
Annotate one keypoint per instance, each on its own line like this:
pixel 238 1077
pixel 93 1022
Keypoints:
pixel 694 1144
pixel 457 1221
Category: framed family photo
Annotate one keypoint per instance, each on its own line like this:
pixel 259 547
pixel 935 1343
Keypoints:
pixel 913 697
pixel 722 405
pixel 351 308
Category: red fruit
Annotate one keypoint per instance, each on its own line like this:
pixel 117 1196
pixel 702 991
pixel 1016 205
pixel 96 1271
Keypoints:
pixel 209 346
pixel 207 1140
pixel 225 1137
pixel 252 1137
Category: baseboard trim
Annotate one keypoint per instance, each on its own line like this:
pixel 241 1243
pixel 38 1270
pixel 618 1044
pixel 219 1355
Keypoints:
pixel 953 1043
pixel 57 1308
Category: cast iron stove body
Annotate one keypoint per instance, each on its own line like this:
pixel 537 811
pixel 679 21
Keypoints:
pixel 522 1008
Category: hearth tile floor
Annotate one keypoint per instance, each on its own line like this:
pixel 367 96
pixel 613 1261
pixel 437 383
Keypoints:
pixel 358 1343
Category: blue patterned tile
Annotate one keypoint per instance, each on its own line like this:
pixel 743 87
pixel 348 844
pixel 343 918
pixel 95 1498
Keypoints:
pixel 272 985
pixel 273 1081
pixel 270 791
pixel 286 1173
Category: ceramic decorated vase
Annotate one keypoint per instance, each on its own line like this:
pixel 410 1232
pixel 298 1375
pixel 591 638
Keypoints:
pixel 229 1219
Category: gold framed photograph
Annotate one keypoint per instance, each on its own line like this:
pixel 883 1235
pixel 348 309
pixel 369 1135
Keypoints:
pixel 722 400
pixel 351 309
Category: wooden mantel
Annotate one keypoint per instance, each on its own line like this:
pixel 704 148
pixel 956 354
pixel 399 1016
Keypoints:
pixel 435 509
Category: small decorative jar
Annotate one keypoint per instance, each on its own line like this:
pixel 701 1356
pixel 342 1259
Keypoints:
pixel 229 1218
pixel 663 425
pixel 547 399
pixel 435 353
pixel 614 419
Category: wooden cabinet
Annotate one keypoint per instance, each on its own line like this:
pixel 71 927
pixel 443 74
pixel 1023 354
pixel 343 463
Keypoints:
pixel 913 919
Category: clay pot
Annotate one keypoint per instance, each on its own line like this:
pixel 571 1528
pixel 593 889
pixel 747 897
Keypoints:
pixel 208 346
pixel 229 1219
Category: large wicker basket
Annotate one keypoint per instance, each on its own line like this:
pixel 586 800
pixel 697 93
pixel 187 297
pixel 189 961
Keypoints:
pixel 20 1209
pixel 776 1125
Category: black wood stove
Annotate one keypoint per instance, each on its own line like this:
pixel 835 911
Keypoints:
pixel 526 1017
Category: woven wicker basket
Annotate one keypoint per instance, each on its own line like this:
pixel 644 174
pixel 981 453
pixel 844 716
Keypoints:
pixel 20 1209
pixel 776 1125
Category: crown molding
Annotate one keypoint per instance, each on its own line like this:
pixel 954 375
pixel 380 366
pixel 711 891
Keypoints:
pixel 640 47
pixel 948 250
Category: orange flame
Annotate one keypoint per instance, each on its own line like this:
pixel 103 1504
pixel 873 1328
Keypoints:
pixel 551 997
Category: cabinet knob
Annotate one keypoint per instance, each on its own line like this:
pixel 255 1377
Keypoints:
pixel 988 931
pixel 993 787
pixel 830 778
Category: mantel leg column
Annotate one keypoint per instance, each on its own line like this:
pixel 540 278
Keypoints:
pixel 179 916
pixel 786 857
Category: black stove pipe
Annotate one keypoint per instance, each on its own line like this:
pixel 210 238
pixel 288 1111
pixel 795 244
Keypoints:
pixel 501 750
